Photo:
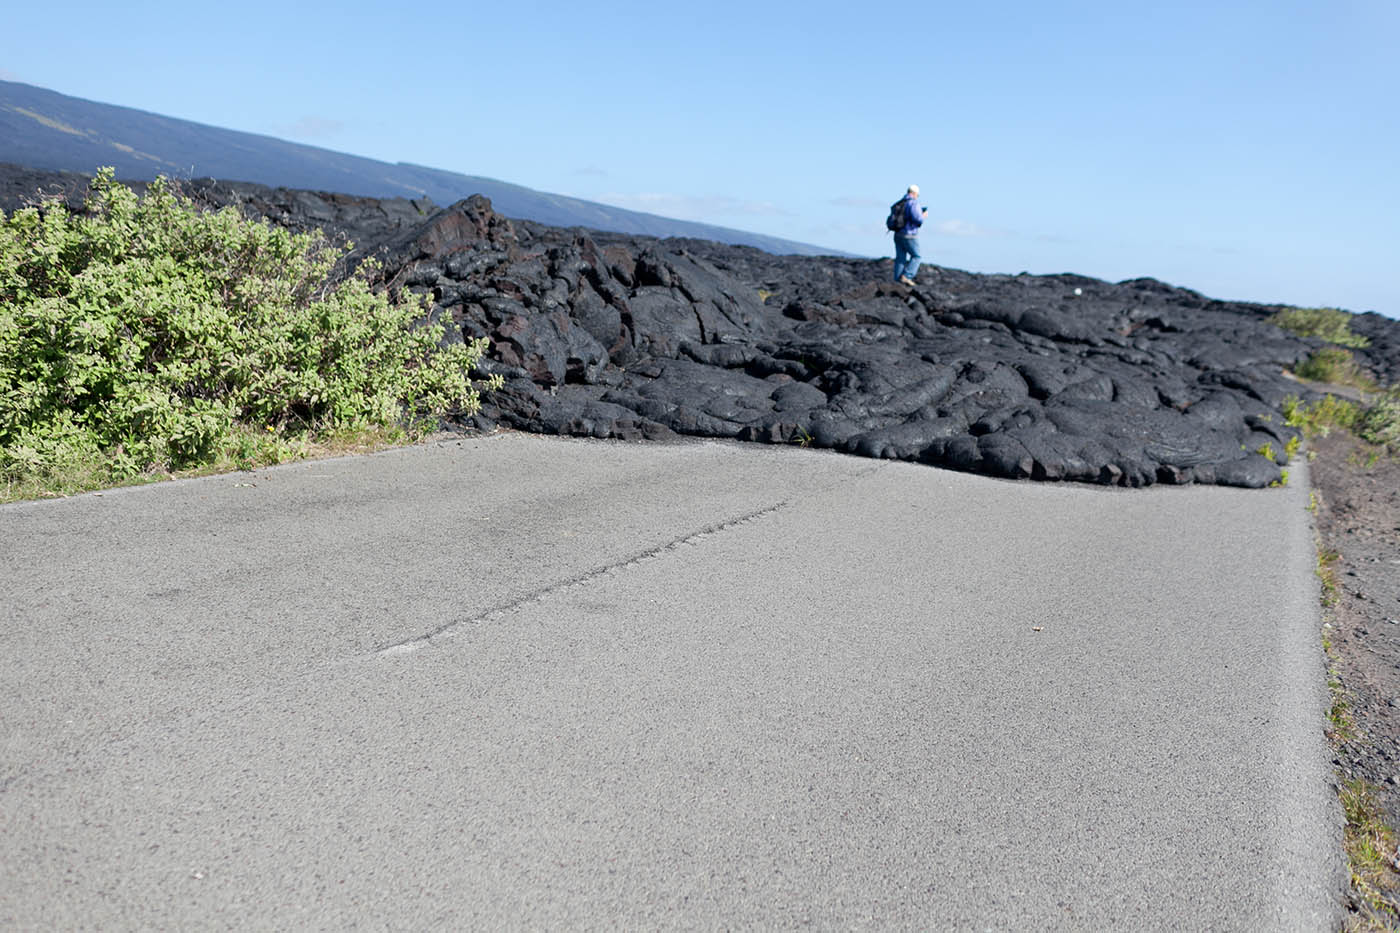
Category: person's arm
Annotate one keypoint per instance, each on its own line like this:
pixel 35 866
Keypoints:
pixel 915 214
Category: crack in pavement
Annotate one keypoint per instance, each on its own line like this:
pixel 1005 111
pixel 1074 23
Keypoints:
pixel 446 631
pixel 254 695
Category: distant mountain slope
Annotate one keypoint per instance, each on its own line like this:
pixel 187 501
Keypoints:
pixel 47 130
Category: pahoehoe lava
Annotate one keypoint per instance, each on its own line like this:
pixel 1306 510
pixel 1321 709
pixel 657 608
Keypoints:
pixel 1047 377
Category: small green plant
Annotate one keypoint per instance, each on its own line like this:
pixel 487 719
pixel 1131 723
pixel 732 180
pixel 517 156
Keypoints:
pixel 1290 450
pixel 1334 365
pixel 1282 479
pixel 764 294
pixel 803 438
pixel 1265 450
pixel 1326 573
pixel 1331 324
pixel 144 337
pixel 1370 848
pixel 1341 722
pixel 1320 417
pixel 1364 458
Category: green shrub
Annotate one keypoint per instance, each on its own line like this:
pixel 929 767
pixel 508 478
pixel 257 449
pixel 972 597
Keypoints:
pixel 1321 416
pixel 1380 423
pixel 1331 324
pixel 1335 365
pixel 145 335
pixel 1377 423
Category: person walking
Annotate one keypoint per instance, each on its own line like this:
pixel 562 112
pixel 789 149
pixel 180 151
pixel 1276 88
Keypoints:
pixel 906 239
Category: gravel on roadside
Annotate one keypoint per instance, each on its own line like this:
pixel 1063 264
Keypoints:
pixel 1357 495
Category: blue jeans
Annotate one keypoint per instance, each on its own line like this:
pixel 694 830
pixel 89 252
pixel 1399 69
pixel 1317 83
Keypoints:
pixel 906 255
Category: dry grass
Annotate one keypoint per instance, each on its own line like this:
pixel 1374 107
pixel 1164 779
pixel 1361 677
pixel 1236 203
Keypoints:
pixel 249 450
pixel 1370 848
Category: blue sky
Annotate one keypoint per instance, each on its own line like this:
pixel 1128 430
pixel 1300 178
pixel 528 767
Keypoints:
pixel 1245 149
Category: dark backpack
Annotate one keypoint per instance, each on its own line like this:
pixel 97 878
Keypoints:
pixel 897 217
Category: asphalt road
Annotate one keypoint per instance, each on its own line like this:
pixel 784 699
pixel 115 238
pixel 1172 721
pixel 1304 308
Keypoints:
pixel 525 682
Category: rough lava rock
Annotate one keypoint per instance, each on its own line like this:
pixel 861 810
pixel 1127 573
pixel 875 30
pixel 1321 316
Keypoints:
pixel 1043 377
pixel 1048 377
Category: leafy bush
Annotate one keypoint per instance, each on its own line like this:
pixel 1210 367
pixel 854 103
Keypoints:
pixel 145 335
pixel 1321 416
pixel 1380 424
pixel 1335 365
pixel 1331 324
pixel 1377 423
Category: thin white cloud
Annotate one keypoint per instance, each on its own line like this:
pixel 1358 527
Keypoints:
pixel 693 207
pixel 8 75
pixel 311 127
pixel 859 202
pixel 964 228
pixel 1220 249
pixel 853 229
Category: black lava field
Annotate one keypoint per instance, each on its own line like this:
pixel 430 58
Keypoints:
pixel 1056 377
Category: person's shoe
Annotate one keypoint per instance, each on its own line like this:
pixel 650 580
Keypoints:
pixel 905 280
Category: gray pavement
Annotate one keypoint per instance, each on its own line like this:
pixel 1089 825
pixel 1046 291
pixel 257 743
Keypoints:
pixel 526 682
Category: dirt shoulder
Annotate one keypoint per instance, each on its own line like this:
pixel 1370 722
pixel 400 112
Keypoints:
pixel 1358 518
pixel 1357 492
